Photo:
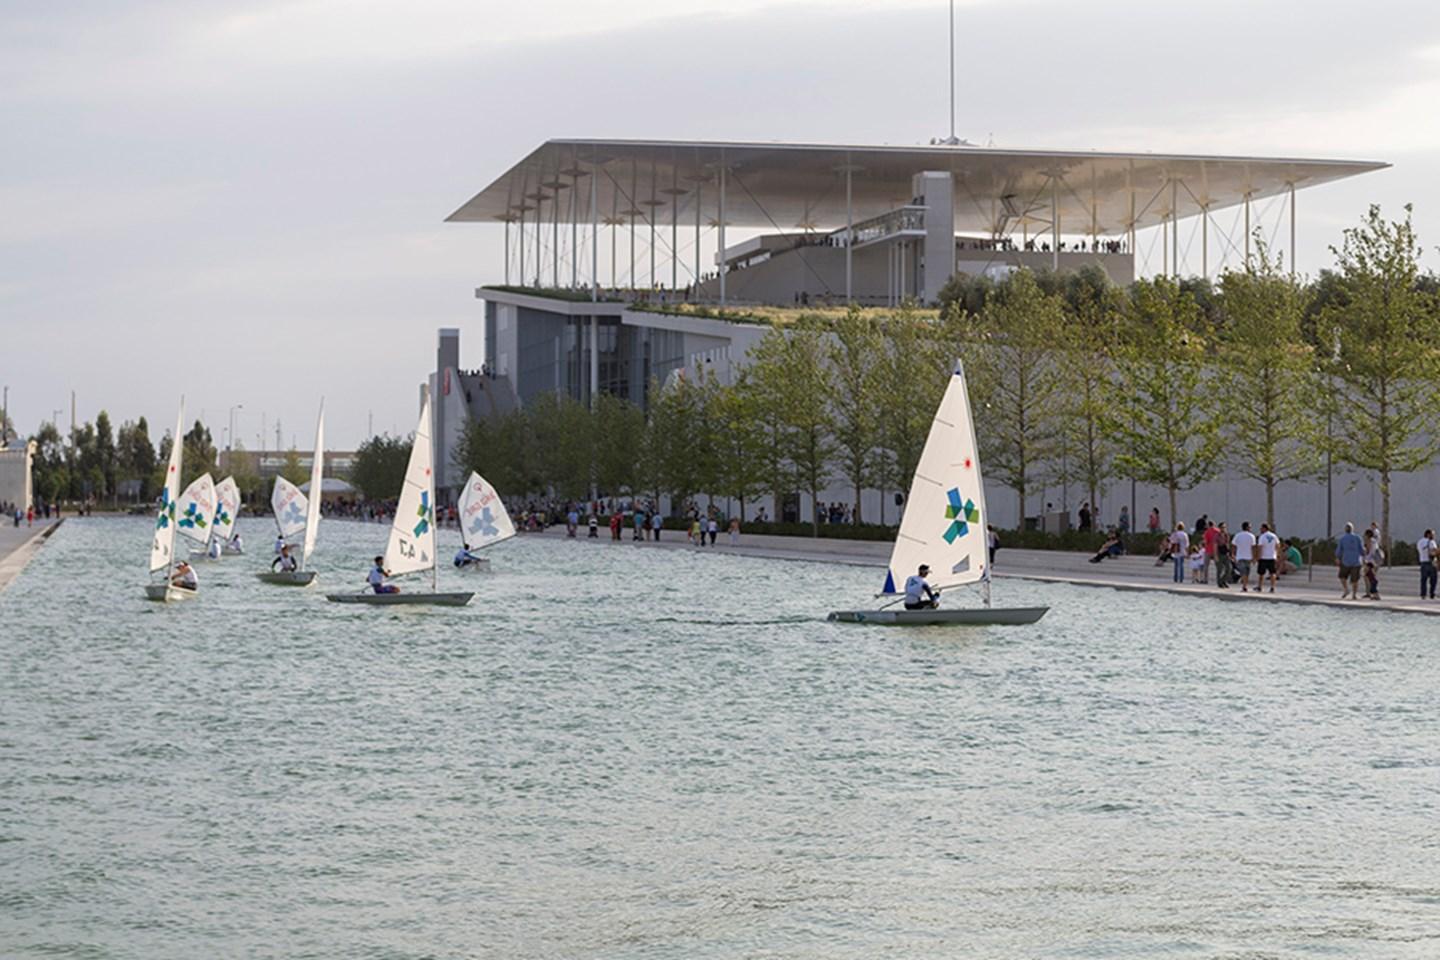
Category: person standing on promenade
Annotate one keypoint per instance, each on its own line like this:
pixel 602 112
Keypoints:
pixel 1208 538
pixel 1153 525
pixel 1223 568
pixel 638 521
pixel 656 522
pixel 734 531
pixel 1427 549
pixel 1349 552
pixel 1374 557
pixel 1269 547
pixel 712 527
pixel 1123 524
pixel 594 525
pixel 992 541
pixel 1179 550
pixel 1243 548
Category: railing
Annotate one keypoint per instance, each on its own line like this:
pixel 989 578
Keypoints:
pixel 905 219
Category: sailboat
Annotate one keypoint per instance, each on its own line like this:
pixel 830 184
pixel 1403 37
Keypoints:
pixel 162 543
pixel 411 548
pixel 944 525
pixel 294 512
pixel 227 506
pixel 484 521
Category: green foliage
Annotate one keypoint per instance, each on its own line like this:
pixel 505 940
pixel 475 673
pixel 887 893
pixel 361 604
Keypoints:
pixel 292 469
pixel 106 454
pixel 50 475
pixel 199 454
pixel 562 444
pixel 741 443
pixel 1386 362
pixel 856 358
pixel 919 360
pixel 379 469
pixel 135 457
pixel 618 427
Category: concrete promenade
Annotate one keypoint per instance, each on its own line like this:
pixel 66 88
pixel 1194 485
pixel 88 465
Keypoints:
pixel 18 545
pixel 1399 586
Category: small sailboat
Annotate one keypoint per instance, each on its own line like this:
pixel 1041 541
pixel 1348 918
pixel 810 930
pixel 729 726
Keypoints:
pixel 411 548
pixel 162 543
pixel 227 506
pixel 484 521
pixel 295 512
pixel 944 526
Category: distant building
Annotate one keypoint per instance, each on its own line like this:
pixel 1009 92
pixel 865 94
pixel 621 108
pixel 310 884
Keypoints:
pixel 269 464
pixel 17 464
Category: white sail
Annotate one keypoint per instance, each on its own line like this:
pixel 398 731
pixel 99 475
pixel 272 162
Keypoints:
pixel 945 515
pixel 195 510
pixel 483 518
pixel 317 470
pixel 412 535
pixel 162 546
pixel 290 507
pixel 227 508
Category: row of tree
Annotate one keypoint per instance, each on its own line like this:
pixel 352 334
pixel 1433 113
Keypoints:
pixel 1074 380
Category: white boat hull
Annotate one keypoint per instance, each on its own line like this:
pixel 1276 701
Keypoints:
pixel 402 599
pixel 970 616
pixel 165 593
pixel 292 578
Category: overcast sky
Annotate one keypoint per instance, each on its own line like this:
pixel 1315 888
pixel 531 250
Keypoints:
pixel 243 202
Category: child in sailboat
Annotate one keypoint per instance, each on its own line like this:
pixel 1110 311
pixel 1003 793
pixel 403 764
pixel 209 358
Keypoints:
pixel 377 576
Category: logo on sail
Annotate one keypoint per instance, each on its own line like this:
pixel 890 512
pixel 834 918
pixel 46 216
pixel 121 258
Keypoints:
pixel 484 524
pixel 960 514
pixel 423 512
pixel 193 517
pixel 167 510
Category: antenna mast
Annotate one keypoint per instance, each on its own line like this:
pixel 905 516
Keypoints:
pixel 952 140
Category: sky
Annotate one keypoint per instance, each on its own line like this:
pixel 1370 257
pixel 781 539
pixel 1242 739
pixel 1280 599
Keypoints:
pixel 244 202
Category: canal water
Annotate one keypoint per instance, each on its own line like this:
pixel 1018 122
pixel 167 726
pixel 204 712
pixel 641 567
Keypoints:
pixel 619 750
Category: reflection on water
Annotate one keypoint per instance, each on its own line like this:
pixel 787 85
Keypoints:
pixel 623 751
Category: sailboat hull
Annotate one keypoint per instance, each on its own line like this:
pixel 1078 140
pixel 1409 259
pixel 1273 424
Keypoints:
pixel 402 599
pixel 973 616
pixel 291 578
pixel 164 593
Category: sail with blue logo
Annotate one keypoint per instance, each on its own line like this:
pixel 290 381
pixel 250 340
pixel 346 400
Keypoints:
pixel 945 516
pixel 412 534
pixel 227 508
pixel 290 508
pixel 162 544
pixel 483 517
pixel 195 510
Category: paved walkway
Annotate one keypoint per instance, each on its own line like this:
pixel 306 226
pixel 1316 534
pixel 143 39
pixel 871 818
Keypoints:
pixel 1400 586
pixel 18 545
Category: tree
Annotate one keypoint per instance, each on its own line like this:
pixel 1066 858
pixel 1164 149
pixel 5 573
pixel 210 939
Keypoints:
pixel 1092 310
pixel 199 454
pixel 1010 363
pixel 563 444
pixel 856 358
pixel 379 469
pixel 106 455
pixel 674 437
pixel 740 443
pixel 789 375
pixel 49 474
pixel 292 469
pixel 1164 420
pixel 1387 358
pixel 135 456
pixel 919 361
pixel 1266 369
pixel 495 448
pixel 618 427
pixel 82 463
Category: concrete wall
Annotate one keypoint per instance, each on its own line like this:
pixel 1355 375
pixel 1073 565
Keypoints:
pixel 16 465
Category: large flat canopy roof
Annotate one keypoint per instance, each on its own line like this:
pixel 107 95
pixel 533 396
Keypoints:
pixel 788 186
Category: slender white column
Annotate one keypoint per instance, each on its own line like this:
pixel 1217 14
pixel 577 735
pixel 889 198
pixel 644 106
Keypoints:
pixel 594 236
pixel 1175 225
pixel 698 185
pixel 522 243
pixel 1205 241
pixel 507 260
pixel 723 265
pixel 1292 231
pixel 1055 224
pixel 850 212
pixel 1247 229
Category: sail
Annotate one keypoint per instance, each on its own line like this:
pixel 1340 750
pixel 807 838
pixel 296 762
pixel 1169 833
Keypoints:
pixel 945 515
pixel 195 510
pixel 227 508
pixel 317 469
pixel 162 545
pixel 290 506
pixel 412 535
pixel 483 519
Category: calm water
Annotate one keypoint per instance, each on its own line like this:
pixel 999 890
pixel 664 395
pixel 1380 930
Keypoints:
pixel 619 751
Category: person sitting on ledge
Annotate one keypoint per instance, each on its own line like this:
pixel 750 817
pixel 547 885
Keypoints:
pixel 1112 547
pixel 918 594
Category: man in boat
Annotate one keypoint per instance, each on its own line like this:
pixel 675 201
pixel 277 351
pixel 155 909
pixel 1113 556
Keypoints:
pixel 918 594
pixel 212 550
pixel 279 544
pixel 285 563
pixel 236 545
pixel 184 577
pixel 463 556
pixel 377 576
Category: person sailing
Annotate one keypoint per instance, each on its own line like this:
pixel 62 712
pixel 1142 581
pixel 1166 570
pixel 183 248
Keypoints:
pixel 236 545
pixel 279 544
pixel 286 562
pixel 918 593
pixel 184 577
pixel 377 576
pixel 463 556
pixel 212 549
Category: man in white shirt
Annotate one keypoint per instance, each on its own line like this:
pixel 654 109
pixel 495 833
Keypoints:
pixel 236 545
pixel 279 545
pixel 1268 544
pixel 377 576
pixel 212 549
pixel 1243 546
pixel 1428 550
pixel 918 594
pixel 1179 550
pixel 185 577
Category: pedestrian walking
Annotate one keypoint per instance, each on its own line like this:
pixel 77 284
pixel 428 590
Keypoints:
pixel 1224 570
pixel 1374 558
pixel 1268 546
pixel 1243 547
pixel 1427 549
pixel 1208 539
pixel 1349 554
pixel 1153 524
pixel 1179 551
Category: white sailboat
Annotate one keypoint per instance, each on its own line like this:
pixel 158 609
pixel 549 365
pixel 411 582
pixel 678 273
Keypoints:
pixel 944 525
pixel 411 548
pixel 227 506
pixel 162 543
pixel 484 521
pixel 295 512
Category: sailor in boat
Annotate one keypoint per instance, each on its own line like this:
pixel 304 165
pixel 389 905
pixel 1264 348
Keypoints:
pixel 212 549
pixel 286 562
pixel 279 544
pixel 463 556
pixel 918 593
pixel 236 545
pixel 377 576
pixel 184 577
